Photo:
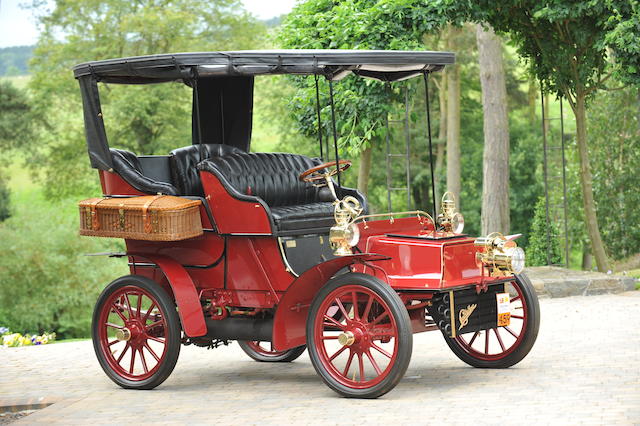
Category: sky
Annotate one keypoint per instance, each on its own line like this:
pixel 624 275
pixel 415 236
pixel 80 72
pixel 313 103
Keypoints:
pixel 18 27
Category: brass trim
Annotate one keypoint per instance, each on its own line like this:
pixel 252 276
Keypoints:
pixel 453 316
pixel 346 338
pixel 392 214
pixel 285 260
pixel 465 314
pixel 123 334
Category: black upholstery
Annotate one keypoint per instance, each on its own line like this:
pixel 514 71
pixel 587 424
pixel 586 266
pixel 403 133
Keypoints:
pixel 274 179
pixel 127 165
pixel 183 165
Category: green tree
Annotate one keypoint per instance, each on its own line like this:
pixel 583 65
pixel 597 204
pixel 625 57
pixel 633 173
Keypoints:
pixel 542 250
pixel 568 45
pixel 145 119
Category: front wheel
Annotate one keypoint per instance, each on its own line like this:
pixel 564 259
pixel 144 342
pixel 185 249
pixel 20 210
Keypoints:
pixel 136 332
pixel 365 351
pixel 502 347
pixel 263 351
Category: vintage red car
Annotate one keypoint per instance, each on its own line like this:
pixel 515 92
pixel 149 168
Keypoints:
pixel 290 259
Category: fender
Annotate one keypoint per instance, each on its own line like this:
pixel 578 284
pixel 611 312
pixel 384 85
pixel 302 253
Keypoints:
pixel 289 325
pixel 184 291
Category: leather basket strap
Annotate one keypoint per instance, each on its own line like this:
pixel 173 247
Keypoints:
pixel 95 221
pixel 146 218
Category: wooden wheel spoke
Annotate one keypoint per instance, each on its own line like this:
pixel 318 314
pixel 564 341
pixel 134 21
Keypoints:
pixel 156 339
pixel 510 331
pixel 124 351
pixel 332 337
pixel 133 360
pixel 474 337
pixel 346 368
pixel 139 305
pixel 146 315
pixel 486 342
pixel 382 351
pixel 341 307
pixel 515 298
pixel 367 308
pixel 113 343
pixel 333 322
pixel 338 352
pixel 354 296
pixel 495 330
pixel 109 324
pixel 151 351
pixel 128 302
pixel 373 363
pixel 144 361
pixel 380 318
pixel 116 309
pixel 361 367
pixel 517 316
pixel 150 326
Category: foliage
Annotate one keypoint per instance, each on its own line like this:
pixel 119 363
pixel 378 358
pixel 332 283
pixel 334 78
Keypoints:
pixel 5 199
pixel 13 340
pixel 615 152
pixel 17 118
pixel 538 247
pixel 15 60
pixel 45 281
pixel 146 119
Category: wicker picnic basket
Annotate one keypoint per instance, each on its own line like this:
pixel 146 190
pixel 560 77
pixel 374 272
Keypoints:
pixel 153 218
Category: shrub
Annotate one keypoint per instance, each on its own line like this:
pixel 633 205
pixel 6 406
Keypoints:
pixel 537 248
pixel 5 210
pixel 46 283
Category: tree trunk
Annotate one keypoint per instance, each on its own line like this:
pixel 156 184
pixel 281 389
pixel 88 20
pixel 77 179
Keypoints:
pixel 586 181
pixel 453 121
pixel 364 170
pixel 495 169
pixel 442 136
pixel 532 97
pixel 586 258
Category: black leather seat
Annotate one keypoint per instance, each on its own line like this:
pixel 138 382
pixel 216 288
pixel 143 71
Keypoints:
pixel 184 161
pixel 127 165
pixel 294 206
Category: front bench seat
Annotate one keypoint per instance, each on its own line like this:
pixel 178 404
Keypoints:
pixel 184 161
pixel 127 165
pixel 294 206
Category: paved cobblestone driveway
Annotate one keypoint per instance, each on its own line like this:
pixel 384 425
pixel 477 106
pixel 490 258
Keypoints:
pixel 585 368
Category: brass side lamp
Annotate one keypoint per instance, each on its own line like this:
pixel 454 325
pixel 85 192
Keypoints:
pixel 449 220
pixel 500 254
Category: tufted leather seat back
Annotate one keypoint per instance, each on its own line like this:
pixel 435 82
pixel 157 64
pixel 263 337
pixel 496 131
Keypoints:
pixel 184 161
pixel 127 165
pixel 274 177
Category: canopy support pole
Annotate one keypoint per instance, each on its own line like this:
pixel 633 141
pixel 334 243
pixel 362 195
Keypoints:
pixel 335 132
pixel 319 118
pixel 427 107
pixel 199 126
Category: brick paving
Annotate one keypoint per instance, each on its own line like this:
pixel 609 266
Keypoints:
pixel 585 368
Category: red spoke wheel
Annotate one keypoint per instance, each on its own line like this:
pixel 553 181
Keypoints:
pixel 136 332
pixel 365 351
pixel 502 347
pixel 263 351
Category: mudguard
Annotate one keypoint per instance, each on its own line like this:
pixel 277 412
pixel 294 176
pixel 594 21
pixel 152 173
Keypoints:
pixel 291 315
pixel 184 291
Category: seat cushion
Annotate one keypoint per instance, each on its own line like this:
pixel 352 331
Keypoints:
pixel 303 216
pixel 274 177
pixel 127 165
pixel 184 161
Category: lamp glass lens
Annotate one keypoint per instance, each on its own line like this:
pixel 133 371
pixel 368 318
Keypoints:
pixel 517 260
pixel 457 223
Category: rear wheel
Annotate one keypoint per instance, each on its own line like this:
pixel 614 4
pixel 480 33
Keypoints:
pixel 502 347
pixel 263 351
pixel 365 351
pixel 136 332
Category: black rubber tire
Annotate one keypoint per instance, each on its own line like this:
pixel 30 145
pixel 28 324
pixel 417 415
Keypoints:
pixel 531 332
pixel 168 310
pixel 405 335
pixel 286 356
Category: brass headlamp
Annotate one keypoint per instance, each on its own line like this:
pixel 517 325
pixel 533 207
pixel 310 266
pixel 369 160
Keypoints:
pixel 500 254
pixel 345 234
pixel 449 219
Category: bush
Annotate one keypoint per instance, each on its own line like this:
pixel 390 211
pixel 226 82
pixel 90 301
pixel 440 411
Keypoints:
pixel 46 284
pixel 537 248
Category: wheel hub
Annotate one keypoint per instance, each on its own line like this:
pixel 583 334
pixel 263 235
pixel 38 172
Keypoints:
pixel 346 338
pixel 123 334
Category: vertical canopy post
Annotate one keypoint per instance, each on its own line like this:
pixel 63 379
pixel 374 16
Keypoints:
pixel 319 118
pixel 427 107
pixel 335 132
